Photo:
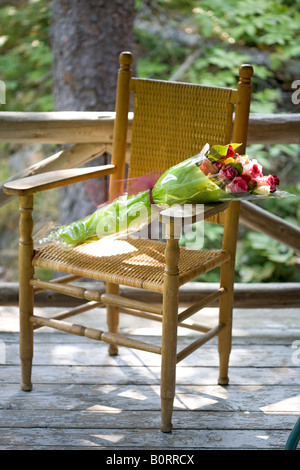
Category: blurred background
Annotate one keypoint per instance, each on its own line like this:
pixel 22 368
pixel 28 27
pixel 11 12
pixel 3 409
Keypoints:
pixel 52 55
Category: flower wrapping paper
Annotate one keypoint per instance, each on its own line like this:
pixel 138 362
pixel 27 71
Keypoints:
pixel 214 175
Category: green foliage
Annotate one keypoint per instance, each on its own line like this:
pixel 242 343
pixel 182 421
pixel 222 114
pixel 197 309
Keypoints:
pixel 261 259
pixel 148 67
pixel 230 33
pixel 25 57
pixel 227 34
pixel 219 35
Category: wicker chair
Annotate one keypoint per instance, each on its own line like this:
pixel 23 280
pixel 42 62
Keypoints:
pixel 172 121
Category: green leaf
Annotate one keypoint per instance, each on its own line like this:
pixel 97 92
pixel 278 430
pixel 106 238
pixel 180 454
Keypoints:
pixel 218 152
pixel 237 166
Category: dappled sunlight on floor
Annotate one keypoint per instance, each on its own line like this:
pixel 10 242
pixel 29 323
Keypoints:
pixel 288 405
pixel 84 398
pixel 101 409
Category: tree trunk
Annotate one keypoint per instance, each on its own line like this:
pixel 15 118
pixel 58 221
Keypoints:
pixel 86 40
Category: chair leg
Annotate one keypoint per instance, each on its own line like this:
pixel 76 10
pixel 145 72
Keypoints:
pixel 168 369
pixel 227 274
pixel 224 342
pixel 26 291
pixel 225 318
pixel 168 377
pixel 169 335
pixel 112 317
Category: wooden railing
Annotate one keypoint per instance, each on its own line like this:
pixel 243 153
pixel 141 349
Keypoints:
pixel 91 134
pixel 93 131
pixel 94 127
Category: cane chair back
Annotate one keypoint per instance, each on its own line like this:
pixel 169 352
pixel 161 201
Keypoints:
pixel 172 121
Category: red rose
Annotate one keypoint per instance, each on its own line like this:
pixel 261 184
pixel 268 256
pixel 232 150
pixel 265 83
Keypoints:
pixel 270 180
pixel 238 185
pixel 230 152
pixel 228 173
pixel 273 181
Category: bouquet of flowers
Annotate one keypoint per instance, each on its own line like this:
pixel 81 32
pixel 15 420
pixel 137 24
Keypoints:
pixel 214 175
pixel 238 174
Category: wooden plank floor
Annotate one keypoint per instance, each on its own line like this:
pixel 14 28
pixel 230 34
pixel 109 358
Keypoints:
pixel 84 399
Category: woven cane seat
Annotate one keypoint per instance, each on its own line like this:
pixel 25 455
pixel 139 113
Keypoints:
pixel 134 262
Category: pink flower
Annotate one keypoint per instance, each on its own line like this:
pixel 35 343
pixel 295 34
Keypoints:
pixel 276 180
pixel 207 167
pixel 243 159
pixel 218 165
pixel 253 169
pixel 270 180
pixel 228 173
pixel 238 185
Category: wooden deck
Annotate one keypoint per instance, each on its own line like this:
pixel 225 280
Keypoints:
pixel 84 399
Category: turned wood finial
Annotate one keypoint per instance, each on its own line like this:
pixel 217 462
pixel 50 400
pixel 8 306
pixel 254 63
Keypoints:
pixel 126 59
pixel 246 72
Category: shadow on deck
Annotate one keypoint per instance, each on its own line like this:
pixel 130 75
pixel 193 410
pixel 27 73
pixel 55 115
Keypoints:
pixel 84 399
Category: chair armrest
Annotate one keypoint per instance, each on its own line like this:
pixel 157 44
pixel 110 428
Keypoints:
pixel 55 179
pixel 191 213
